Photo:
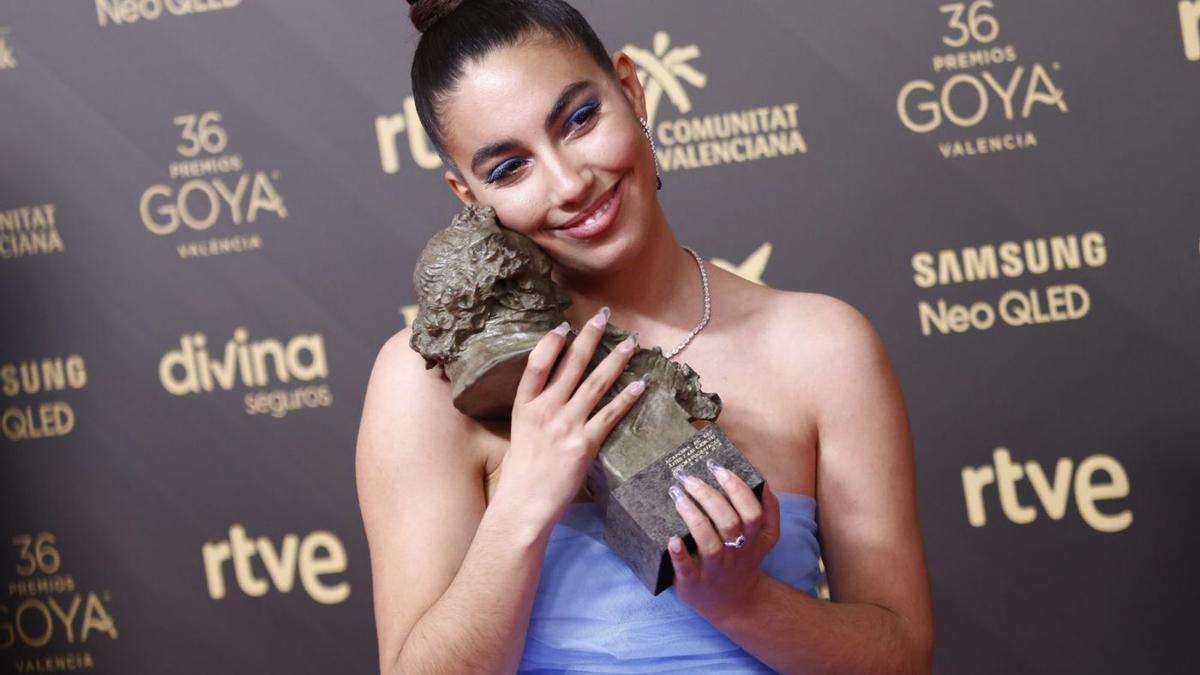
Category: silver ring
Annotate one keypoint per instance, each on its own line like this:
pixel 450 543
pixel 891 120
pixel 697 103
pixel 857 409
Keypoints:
pixel 737 543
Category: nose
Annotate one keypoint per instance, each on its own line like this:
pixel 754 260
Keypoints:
pixel 570 181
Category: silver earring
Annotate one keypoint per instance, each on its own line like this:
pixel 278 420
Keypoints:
pixel 650 137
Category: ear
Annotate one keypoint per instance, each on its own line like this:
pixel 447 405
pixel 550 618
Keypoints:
pixel 459 188
pixel 631 86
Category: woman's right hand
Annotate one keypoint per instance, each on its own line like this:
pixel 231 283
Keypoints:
pixel 552 440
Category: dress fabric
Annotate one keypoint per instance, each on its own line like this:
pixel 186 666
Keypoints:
pixel 591 614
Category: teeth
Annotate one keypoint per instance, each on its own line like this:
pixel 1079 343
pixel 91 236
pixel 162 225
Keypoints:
pixel 599 212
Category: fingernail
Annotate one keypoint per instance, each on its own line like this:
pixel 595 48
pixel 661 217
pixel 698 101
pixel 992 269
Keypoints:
pixel 676 545
pixel 562 328
pixel 686 478
pixel 627 344
pixel 601 318
pixel 717 470
pixel 637 387
pixel 676 493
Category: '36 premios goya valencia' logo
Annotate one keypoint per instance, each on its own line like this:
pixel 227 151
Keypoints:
pixel 979 82
pixel 208 188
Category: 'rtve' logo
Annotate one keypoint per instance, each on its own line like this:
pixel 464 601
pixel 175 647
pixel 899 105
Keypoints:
pixel 1189 22
pixel 1005 474
pixel 282 564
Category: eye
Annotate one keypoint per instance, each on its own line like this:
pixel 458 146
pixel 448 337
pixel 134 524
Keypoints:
pixel 504 170
pixel 583 115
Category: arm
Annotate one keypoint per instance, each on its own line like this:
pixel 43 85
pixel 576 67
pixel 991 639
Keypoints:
pixel 438 554
pixel 454 575
pixel 880 620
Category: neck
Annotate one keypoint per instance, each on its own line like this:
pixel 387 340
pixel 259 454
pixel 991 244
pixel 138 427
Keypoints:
pixel 656 290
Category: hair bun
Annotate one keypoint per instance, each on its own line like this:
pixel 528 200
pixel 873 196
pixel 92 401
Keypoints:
pixel 425 13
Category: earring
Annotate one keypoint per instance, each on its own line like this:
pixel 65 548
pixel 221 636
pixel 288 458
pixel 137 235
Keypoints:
pixel 650 137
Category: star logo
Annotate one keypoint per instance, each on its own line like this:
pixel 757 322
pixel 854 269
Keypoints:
pixel 750 269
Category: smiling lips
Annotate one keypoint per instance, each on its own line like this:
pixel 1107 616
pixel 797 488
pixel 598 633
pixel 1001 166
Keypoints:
pixel 600 218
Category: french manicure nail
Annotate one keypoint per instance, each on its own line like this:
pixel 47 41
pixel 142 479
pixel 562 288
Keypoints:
pixel 627 344
pixel 562 328
pixel 717 470
pixel 601 318
pixel 676 492
pixel 637 387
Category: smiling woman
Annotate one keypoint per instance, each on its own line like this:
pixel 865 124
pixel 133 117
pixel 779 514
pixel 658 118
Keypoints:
pixel 535 119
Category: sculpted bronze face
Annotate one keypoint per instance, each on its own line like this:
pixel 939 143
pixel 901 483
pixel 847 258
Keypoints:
pixel 485 298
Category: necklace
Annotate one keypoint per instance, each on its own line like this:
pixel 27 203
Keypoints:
pixel 704 321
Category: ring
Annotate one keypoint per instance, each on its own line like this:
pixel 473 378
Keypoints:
pixel 737 543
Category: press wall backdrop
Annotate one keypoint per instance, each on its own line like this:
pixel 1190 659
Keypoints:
pixel 210 211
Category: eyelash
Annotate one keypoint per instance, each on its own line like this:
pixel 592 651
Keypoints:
pixel 587 111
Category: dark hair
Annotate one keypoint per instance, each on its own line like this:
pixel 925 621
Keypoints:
pixel 457 31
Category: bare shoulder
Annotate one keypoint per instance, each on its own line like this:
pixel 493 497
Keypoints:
pixel 404 397
pixel 833 330
pixel 833 349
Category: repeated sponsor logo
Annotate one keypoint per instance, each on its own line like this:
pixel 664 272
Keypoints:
pixel 693 141
pixel 1025 306
pixel 268 367
pixel 28 414
pixel 979 81
pixel 212 203
pixel 260 566
pixel 1189 23
pixel 1052 491
pixel 27 231
pixel 121 12
pixel 48 619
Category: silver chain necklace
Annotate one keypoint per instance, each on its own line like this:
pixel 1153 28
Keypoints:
pixel 704 321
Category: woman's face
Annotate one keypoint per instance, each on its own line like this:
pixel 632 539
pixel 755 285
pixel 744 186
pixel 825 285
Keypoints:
pixel 548 139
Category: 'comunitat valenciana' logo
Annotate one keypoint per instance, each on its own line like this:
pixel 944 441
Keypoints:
pixel 710 139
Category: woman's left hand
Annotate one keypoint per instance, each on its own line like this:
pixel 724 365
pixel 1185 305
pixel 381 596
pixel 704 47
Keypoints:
pixel 723 579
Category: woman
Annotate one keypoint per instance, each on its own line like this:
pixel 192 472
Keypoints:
pixel 484 550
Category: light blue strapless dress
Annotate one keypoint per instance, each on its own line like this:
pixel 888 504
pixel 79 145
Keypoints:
pixel 592 615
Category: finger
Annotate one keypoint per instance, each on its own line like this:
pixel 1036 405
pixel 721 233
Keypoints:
pixel 728 523
pixel 566 375
pixel 743 499
pixel 598 382
pixel 540 363
pixel 685 566
pixel 601 424
pixel 708 543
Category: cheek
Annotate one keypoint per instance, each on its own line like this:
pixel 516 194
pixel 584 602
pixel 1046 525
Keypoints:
pixel 614 148
pixel 520 212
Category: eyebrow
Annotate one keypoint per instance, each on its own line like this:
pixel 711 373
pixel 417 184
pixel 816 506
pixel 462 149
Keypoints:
pixel 491 150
